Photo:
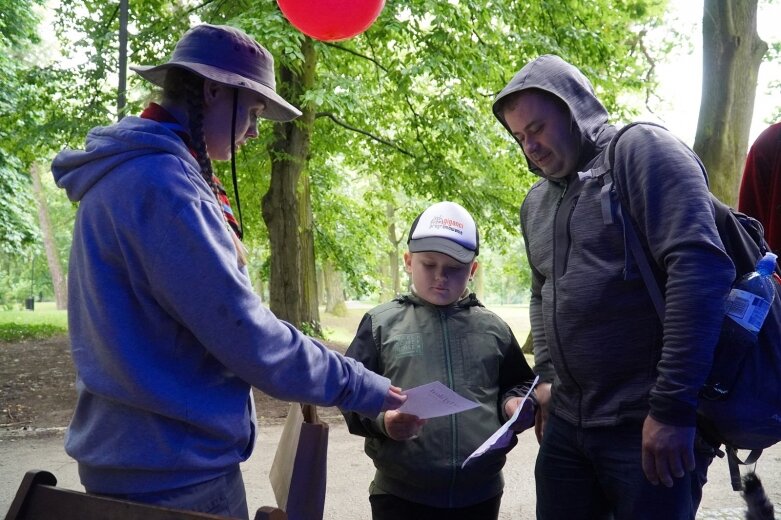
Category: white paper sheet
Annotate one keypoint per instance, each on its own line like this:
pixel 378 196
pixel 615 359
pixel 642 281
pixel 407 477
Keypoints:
pixel 434 400
pixel 501 438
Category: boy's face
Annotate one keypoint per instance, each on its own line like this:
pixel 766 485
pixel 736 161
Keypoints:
pixel 438 278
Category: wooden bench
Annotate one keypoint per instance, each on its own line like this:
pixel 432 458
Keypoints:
pixel 38 498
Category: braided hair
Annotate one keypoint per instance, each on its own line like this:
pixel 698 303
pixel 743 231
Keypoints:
pixel 181 84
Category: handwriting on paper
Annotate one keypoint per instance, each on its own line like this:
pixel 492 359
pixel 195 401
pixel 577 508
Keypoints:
pixel 434 400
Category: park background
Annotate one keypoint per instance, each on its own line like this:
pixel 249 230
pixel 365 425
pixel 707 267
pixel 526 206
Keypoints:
pixel 394 119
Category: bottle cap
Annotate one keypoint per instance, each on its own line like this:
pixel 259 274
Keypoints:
pixel 767 264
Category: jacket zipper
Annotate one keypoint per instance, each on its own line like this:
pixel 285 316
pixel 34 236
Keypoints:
pixel 555 256
pixel 555 277
pixel 453 422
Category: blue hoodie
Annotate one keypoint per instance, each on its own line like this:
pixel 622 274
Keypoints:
pixel 167 334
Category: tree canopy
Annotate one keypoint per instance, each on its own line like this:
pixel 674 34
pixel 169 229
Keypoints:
pixel 401 115
pixel 18 34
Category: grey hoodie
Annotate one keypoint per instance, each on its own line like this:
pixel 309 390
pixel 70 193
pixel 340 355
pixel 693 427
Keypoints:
pixel 596 334
pixel 166 332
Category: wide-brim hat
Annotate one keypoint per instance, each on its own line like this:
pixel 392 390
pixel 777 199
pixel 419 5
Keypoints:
pixel 447 228
pixel 228 56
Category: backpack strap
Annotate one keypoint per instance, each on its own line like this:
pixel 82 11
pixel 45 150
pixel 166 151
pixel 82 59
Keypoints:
pixel 612 205
pixel 633 241
pixel 602 173
pixel 733 461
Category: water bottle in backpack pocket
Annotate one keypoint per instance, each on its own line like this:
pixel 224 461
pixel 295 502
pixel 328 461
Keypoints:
pixel 740 406
pixel 745 311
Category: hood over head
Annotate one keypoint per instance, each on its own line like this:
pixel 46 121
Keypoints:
pixel 552 74
pixel 76 171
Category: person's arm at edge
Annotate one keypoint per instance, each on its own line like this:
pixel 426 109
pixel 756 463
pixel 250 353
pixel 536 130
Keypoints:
pixel 191 266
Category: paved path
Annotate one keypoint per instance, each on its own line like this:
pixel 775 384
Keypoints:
pixel 349 473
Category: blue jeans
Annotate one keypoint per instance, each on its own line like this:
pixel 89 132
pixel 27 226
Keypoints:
pixel 596 473
pixel 223 496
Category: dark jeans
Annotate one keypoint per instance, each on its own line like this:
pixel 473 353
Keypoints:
pixel 596 473
pixel 391 507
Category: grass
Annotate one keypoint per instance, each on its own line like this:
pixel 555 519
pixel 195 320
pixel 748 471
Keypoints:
pixel 46 321
pixel 43 322
pixel 341 329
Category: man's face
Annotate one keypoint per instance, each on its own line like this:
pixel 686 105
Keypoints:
pixel 545 131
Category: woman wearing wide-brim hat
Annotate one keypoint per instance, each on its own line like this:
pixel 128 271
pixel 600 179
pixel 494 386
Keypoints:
pixel 166 332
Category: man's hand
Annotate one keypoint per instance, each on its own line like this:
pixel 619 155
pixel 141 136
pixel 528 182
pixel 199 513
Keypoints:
pixel 525 418
pixel 393 399
pixel 668 451
pixel 402 426
pixel 543 393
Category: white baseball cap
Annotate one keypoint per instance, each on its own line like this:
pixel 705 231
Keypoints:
pixel 447 228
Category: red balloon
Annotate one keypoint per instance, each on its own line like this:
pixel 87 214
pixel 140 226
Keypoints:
pixel 331 20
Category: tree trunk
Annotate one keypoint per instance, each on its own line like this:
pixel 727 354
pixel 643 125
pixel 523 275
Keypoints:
pixel 52 258
pixel 122 66
pixel 393 250
pixel 280 212
pixel 260 288
pixel 478 285
pixel 732 53
pixel 320 287
pixel 310 314
pixel 288 152
pixel 334 291
pixel 385 283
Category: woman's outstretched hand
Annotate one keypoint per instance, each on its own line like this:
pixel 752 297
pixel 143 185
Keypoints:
pixel 393 399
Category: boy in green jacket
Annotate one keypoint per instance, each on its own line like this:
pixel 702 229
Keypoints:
pixel 441 332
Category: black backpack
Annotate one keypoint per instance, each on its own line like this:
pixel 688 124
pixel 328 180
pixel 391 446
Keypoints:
pixel 748 416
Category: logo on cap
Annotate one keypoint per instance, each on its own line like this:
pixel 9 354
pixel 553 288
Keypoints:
pixel 446 224
pixel 445 227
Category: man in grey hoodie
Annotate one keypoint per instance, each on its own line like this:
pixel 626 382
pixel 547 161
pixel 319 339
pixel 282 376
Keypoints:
pixel 621 392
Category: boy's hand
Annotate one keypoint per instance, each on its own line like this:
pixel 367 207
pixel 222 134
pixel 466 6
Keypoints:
pixel 393 399
pixel 543 394
pixel 402 426
pixel 525 418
